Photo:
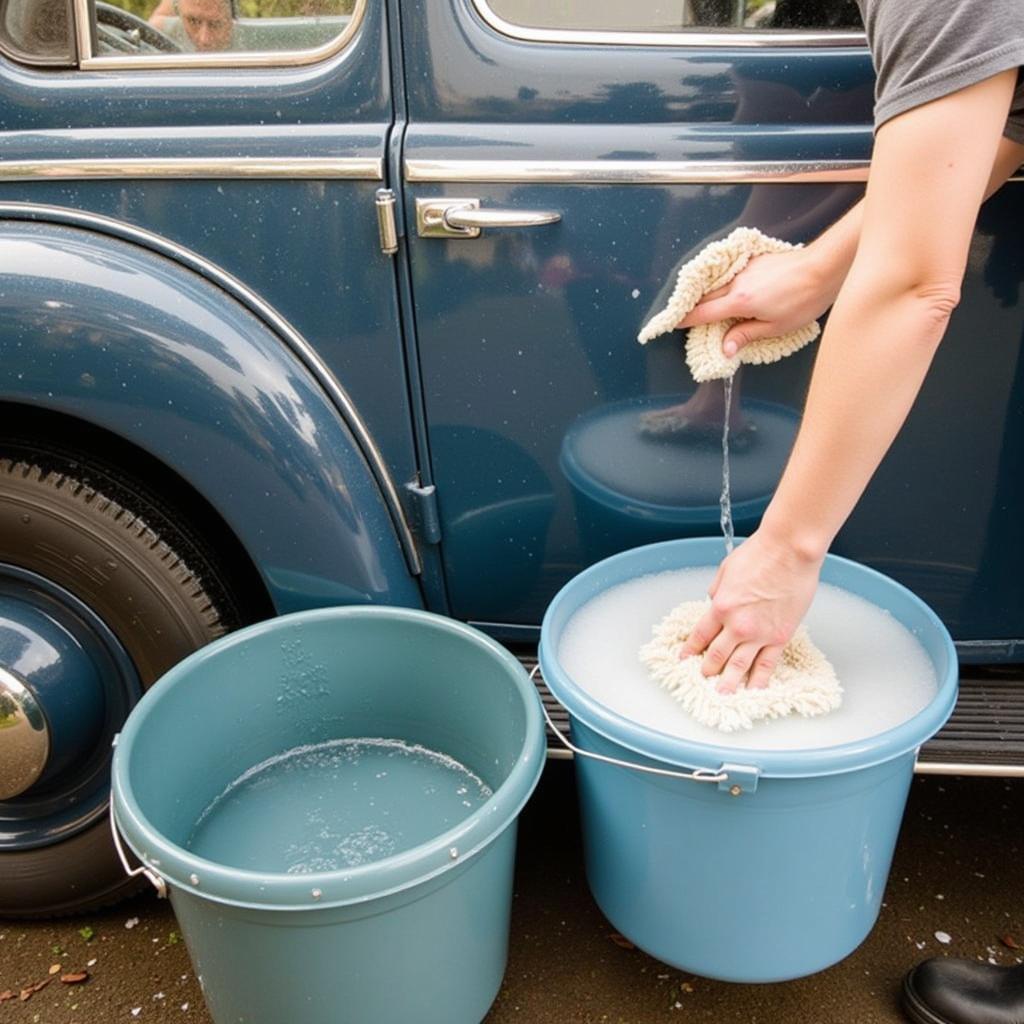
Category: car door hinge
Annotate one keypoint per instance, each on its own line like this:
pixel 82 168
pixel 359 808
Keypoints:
pixel 425 502
pixel 386 221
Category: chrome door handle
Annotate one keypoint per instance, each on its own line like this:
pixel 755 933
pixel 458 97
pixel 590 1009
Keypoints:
pixel 463 218
pixel 469 217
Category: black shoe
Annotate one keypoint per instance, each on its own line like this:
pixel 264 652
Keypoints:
pixel 948 991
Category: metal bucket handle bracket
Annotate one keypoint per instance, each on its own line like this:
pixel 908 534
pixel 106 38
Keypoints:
pixel 735 779
pixel 155 880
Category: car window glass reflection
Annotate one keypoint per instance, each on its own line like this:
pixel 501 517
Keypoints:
pixel 218 26
pixel 680 15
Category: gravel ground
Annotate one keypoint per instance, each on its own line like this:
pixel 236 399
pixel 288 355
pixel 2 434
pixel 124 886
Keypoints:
pixel 958 874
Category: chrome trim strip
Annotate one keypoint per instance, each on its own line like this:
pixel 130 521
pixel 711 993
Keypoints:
pixel 636 172
pixel 695 37
pixel 295 341
pixel 252 59
pixel 355 167
pixel 1009 771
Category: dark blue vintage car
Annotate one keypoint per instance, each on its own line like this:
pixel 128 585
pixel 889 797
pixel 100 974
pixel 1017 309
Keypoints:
pixel 341 306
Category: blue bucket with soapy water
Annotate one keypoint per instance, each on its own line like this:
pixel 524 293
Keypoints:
pixel 740 864
pixel 330 799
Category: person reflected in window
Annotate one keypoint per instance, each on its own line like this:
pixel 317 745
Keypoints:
pixel 202 26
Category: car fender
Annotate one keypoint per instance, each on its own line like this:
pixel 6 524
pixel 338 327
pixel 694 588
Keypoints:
pixel 161 353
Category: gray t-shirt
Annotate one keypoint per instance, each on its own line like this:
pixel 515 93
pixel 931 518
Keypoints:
pixel 925 49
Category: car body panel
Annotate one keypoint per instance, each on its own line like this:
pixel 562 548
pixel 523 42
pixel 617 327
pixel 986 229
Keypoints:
pixel 527 335
pixel 123 338
pixel 480 366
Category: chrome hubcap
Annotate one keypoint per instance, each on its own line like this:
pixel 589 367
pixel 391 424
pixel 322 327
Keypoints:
pixel 24 737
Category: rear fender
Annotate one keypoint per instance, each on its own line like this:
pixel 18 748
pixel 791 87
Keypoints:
pixel 106 330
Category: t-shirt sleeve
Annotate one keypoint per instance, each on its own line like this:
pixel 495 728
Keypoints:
pixel 926 49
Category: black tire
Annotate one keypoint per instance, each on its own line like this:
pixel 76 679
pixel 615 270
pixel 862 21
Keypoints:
pixel 114 544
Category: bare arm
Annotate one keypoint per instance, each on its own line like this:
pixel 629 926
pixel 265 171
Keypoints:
pixel 886 324
pixel 780 293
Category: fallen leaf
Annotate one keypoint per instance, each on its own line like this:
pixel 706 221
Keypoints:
pixel 621 941
pixel 1010 942
pixel 26 993
pixel 40 985
pixel 5 995
pixel 74 977
pixel 54 968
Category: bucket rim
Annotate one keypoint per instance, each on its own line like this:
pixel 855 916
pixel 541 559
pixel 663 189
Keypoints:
pixel 263 890
pixel 692 754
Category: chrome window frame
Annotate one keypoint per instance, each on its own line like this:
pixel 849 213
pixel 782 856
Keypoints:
pixel 694 37
pixel 88 61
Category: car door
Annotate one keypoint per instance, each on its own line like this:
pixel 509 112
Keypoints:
pixel 616 140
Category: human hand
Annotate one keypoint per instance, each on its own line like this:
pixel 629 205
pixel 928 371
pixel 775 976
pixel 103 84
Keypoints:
pixel 758 597
pixel 774 294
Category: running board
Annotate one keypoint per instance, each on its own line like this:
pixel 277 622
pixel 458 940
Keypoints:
pixel 984 735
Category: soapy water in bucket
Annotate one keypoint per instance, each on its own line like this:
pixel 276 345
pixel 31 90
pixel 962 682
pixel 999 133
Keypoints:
pixel 336 805
pixel 886 675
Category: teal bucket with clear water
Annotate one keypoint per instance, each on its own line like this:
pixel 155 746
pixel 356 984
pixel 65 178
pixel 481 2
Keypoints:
pixel 773 865
pixel 287 914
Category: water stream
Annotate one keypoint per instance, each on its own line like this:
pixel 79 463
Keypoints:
pixel 725 501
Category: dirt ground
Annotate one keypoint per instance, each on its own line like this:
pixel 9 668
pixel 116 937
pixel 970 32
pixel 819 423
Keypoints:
pixel 958 875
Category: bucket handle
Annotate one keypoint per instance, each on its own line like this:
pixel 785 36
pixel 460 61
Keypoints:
pixel 158 883
pixel 697 775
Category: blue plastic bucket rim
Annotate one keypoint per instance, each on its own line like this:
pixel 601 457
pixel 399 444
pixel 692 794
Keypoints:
pixel 261 890
pixel 671 750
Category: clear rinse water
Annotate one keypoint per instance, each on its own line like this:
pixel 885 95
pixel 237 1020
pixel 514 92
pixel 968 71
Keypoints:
pixel 336 805
pixel 886 675
pixel 725 501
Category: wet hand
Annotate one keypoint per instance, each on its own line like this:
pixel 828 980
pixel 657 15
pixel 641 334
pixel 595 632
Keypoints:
pixel 774 294
pixel 758 598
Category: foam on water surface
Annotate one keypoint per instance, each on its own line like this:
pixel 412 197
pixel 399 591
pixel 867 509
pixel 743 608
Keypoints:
pixel 336 805
pixel 885 673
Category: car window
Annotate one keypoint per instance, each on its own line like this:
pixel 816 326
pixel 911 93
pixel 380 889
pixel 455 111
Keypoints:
pixel 37 30
pixel 216 26
pixel 676 15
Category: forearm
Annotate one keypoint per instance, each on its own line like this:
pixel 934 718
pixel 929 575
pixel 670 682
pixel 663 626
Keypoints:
pixel 831 254
pixel 891 313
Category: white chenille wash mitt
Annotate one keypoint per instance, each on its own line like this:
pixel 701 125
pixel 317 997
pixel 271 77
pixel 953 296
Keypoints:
pixel 803 682
pixel 713 267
